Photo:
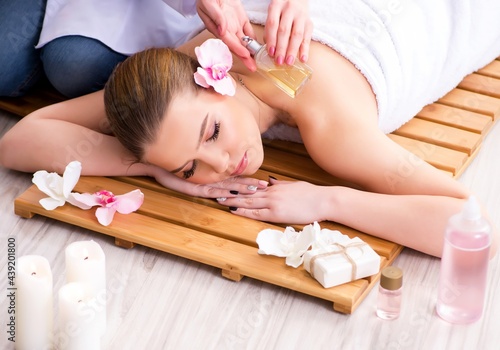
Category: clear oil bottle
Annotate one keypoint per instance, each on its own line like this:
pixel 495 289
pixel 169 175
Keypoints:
pixel 289 78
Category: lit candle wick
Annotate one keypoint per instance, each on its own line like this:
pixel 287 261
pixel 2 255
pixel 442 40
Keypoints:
pixel 86 258
pixel 33 273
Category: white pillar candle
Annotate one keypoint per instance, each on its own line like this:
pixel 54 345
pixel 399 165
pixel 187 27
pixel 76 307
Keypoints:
pixel 34 304
pixel 77 327
pixel 86 263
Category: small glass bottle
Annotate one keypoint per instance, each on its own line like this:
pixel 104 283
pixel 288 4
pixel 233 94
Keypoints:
pixel 464 266
pixel 289 78
pixel 390 293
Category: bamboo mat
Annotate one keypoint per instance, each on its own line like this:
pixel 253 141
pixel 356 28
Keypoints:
pixel 447 134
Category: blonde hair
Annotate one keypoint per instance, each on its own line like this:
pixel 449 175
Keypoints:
pixel 139 92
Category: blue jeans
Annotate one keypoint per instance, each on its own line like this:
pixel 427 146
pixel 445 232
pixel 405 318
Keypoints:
pixel 77 65
pixel 20 66
pixel 74 65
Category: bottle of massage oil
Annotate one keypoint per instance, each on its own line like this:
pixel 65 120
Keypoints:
pixel 390 293
pixel 464 266
pixel 289 78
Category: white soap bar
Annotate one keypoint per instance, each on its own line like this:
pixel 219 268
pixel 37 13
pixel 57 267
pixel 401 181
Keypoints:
pixel 342 262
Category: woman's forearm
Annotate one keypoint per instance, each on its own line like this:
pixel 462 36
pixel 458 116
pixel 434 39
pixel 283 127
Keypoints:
pixel 414 221
pixel 50 144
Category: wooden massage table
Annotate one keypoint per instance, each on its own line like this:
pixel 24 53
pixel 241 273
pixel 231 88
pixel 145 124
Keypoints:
pixel 447 134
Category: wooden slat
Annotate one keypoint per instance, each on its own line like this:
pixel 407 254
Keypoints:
pixel 442 158
pixel 298 167
pixel 472 101
pixel 289 147
pixel 492 69
pixel 456 117
pixel 467 162
pixel 482 84
pixel 441 135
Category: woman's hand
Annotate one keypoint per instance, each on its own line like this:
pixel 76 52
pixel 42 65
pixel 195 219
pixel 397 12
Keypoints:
pixel 228 188
pixel 287 202
pixel 288 30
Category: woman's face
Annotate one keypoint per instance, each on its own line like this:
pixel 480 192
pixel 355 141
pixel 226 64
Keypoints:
pixel 207 138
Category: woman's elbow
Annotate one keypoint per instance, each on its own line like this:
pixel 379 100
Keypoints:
pixel 5 155
pixel 13 145
pixel 9 158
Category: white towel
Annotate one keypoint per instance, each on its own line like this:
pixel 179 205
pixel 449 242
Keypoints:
pixel 412 52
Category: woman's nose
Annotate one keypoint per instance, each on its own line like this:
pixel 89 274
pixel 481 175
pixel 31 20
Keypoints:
pixel 218 160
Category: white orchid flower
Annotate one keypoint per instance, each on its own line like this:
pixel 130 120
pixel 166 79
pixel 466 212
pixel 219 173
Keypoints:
pixel 293 245
pixel 326 237
pixel 289 244
pixel 56 187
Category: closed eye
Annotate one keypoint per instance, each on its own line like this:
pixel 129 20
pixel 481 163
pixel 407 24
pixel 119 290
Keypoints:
pixel 216 133
pixel 188 173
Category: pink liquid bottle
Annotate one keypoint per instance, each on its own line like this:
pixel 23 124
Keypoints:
pixel 464 266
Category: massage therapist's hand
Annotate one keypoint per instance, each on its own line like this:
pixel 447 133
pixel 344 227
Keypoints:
pixel 288 28
pixel 223 189
pixel 287 202
pixel 228 21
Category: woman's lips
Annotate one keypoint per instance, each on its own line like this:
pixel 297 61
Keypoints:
pixel 241 166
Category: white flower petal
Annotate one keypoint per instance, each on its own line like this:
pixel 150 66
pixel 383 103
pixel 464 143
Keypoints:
pixel 213 51
pixel 225 86
pixel 82 200
pixel 305 239
pixel 269 242
pixel 48 183
pixel 71 176
pixel 51 203
pixel 200 77
pixel 290 236
pixel 327 237
pixel 129 202
pixel 295 260
pixel 105 215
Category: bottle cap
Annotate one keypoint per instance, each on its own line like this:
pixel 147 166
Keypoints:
pixel 391 278
pixel 471 210
pixel 252 45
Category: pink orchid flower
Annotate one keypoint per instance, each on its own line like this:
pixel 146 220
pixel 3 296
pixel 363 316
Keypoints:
pixel 216 61
pixel 109 203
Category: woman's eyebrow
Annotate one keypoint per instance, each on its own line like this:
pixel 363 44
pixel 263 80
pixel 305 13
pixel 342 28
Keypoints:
pixel 202 132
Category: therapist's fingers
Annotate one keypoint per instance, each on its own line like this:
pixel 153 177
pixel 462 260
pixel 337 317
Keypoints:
pixel 306 42
pixel 288 30
pixel 212 16
pixel 228 21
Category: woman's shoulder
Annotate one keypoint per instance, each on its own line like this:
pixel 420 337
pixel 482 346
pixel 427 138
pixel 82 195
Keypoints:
pixel 197 40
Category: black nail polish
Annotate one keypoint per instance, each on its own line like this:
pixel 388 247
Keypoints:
pixel 233 192
pixel 233 208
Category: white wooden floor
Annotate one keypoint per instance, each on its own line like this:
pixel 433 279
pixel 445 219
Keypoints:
pixel 160 301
